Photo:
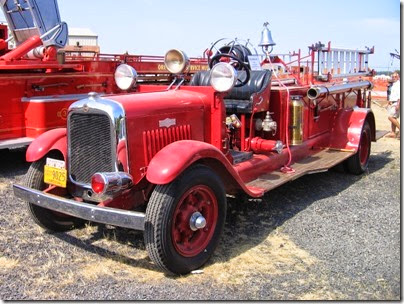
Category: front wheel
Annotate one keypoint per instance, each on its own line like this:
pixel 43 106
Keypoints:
pixel 48 219
pixel 184 220
pixel 358 163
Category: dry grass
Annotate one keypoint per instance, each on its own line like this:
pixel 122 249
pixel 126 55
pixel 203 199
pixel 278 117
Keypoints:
pixel 275 255
pixel 6 264
pixel 320 294
pixel 85 232
pixel 112 258
pixel 4 186
pixel 120 267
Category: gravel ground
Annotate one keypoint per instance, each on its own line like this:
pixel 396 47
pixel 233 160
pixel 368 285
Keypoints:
pixel 324 236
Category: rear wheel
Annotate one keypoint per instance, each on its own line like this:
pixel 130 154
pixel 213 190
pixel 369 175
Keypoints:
pixel 184 220
pixel 46 218
pixel 358 163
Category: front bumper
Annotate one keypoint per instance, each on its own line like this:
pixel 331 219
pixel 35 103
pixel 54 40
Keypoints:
pixel 105 215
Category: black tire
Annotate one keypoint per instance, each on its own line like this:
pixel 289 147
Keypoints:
pixel 46 218
pixel 168 212
pixel 358 163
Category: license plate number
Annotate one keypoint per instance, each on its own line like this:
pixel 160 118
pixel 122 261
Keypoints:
pixel 55 173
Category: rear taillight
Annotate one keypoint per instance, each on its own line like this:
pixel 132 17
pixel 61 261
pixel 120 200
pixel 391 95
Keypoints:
pixel 110 182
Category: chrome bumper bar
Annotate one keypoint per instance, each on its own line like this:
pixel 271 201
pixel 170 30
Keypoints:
pixel 105 215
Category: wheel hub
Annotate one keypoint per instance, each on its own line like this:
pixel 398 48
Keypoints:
pixel 197 221
pixel 194 221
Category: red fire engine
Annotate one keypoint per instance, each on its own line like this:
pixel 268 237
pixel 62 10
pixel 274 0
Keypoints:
pixel 163 158
pixel 38 83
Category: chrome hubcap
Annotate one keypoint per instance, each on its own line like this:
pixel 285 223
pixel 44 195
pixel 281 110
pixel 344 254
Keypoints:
pixel 197 221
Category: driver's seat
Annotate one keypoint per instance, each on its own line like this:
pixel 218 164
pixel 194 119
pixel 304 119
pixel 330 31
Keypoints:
pixel 239 99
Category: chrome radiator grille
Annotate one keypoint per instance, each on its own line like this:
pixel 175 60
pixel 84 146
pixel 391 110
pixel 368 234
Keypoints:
pixel 91 146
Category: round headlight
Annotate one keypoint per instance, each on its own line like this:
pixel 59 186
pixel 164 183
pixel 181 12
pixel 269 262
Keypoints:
pixel 176 61
pixel 223 77
pixel 125 77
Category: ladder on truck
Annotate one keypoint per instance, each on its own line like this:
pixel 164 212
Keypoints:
pixel 339 63
pixel 27 18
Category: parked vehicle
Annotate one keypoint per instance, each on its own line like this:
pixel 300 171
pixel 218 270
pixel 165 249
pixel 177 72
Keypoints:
pixel 176 151
pixel 39 80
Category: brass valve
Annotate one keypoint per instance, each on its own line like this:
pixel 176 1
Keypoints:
pixel 233 121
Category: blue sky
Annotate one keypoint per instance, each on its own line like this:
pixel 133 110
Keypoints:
pixel 151 27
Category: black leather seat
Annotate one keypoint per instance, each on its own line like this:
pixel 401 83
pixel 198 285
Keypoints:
pixel 239 100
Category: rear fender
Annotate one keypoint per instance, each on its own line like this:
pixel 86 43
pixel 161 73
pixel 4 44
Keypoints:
pixel 52 140
pixel 347 128
pixel 175 158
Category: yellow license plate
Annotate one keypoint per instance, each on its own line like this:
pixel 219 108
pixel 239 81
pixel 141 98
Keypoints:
pixel 55 176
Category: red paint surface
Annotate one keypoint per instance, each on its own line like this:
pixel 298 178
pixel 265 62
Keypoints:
pixel 51 140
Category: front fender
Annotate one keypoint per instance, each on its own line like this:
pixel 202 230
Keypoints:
pixel 48 141
pixel 347 128
pixel 173 159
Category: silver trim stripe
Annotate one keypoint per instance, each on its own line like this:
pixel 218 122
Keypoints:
pixel 55 98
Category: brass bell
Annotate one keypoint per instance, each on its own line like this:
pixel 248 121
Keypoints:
pixel 266 37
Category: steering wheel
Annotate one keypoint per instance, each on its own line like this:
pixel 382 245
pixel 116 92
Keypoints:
pixel 241 66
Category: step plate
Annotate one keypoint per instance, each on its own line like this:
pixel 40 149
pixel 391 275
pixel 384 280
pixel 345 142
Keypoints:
pixel 315 163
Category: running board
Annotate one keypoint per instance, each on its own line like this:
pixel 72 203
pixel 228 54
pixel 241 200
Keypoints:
pixel 15 143
pixel 319 161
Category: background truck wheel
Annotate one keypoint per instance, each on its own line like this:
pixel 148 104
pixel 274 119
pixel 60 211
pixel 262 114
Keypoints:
pixel 184 220
pixel 358 163
pixel 46 218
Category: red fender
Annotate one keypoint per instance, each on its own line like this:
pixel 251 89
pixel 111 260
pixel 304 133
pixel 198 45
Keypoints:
pixel 52 140
pixel 173 159
pixel 347 129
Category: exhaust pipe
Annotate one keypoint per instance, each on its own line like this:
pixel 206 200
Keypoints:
pixel 319 91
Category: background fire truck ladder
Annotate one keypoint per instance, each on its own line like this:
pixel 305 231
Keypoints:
pixel 340 63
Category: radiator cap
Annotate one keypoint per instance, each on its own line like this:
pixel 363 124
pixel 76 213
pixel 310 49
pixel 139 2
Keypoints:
pixel 93 95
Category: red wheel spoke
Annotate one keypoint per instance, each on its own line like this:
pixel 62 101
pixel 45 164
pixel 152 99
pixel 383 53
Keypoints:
pixel 198 203
pixel 192 199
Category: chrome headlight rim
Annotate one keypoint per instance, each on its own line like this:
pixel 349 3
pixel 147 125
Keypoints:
pixel 223 77
pixel 176 61
pixel 125 77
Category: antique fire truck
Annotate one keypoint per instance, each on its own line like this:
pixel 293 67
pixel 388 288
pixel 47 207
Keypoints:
pixel 164 158
pixel 39 80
